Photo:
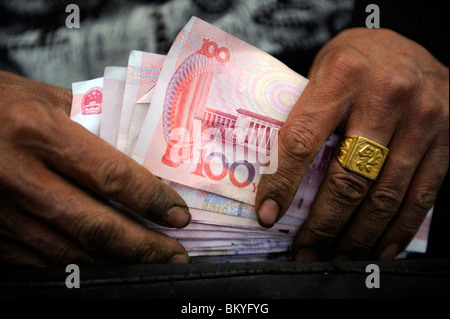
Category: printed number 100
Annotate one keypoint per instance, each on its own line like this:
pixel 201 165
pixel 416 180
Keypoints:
pixel 210 49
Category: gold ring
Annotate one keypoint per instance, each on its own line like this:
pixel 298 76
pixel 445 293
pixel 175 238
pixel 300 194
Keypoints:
pixel 361 156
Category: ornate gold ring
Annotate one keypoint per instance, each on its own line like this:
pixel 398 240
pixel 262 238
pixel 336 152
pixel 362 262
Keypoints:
pixel 361 156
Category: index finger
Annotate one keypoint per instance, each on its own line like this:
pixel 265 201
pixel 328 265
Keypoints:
pixel 76 153
pixel 321 108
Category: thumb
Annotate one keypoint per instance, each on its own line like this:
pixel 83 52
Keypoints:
pixel 312 120
pixel 84 158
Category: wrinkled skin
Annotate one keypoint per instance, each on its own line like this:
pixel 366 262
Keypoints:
pixel 55 182
pixel 56 178
pixel 380 85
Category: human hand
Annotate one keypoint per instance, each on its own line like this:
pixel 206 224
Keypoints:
pixel 380 85
pixel 55 182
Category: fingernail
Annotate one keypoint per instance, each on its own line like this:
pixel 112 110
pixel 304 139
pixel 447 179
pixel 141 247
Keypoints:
pixel 389 252
pixel 307 254
pixel 177 217
pixel 268 212
pixel 179 259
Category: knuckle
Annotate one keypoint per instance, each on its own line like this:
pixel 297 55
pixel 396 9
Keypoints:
pixel 357 245
pixel 298 142
pixel 157 249
pixel 63 254
pixel 115 176
pixel 424 199
pixel 97 233
pixel 430 110
pixel 321 236
pixel 385 201
pixel 338 68
pixel 282 185
pixel 160 199
pixel 26 121
pixel 363 243
pixel 399 83
pixel 347 190
pixel 345 62
pixel 409 227
pixel 402 84
pixel 150 252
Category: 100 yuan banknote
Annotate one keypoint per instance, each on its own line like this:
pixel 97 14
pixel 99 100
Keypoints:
pixel 216 113
pixel 142 75
pixel 87 104
pixel 113 89
pixel 300 206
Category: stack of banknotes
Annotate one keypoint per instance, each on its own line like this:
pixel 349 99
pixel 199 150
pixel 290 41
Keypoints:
pixel 205 118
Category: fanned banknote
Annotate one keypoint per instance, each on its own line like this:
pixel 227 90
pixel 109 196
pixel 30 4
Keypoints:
pixel 87 104
pixel 142 75
pixel 216 113
pixel 113 89
pixel 205 119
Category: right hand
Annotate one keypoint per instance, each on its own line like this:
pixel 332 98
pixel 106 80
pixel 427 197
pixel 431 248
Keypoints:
pixel 55 182
pixel 378 84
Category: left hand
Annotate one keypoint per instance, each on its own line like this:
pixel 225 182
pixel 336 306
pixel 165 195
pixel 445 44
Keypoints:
pixel 56 180
pixel 380 85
